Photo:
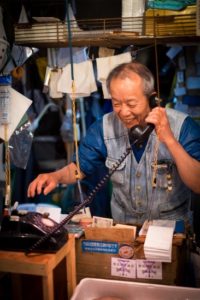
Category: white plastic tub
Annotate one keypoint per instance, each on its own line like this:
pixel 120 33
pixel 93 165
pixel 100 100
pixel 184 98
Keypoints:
pixel 91 289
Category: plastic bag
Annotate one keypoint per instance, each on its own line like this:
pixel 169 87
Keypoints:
pixel 20 146
pixel 66 129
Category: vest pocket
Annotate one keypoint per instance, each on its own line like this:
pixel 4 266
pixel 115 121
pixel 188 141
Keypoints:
pixel 173 210
pixel 119 173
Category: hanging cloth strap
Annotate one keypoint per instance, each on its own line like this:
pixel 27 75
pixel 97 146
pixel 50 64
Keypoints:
pixel 78 173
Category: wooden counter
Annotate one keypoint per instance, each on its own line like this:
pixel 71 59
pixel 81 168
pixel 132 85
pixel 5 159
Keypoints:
pixel 41 264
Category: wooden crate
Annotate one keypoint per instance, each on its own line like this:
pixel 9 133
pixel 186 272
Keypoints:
pixel 163 22
pixel 98 265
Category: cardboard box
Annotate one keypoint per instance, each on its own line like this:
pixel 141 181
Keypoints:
pixel 163 22
pixel 92 263
pixel 91 289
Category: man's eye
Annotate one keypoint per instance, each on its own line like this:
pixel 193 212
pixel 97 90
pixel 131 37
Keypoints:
pixel 132 105
pixel 116 104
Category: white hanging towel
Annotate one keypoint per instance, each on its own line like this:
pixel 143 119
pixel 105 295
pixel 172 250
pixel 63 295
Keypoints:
pixel 84 79
pixel 53 82
pixel 106 64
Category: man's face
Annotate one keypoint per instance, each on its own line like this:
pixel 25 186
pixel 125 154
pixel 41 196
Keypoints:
pixel 128 100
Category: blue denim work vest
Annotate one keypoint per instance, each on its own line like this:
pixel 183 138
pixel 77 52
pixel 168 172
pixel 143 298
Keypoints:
pixel 133 198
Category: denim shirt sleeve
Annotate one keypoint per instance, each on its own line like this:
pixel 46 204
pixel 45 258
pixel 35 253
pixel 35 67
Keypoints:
pixel 92 150
pixel 190 137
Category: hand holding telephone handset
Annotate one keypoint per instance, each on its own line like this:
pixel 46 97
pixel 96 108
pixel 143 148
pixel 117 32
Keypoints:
pixel 139 134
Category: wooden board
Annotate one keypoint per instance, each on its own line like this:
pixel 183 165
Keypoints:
pixel 111 234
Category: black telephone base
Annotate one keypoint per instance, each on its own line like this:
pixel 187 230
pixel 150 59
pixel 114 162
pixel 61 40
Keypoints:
pixel 23 243
pixel 24 232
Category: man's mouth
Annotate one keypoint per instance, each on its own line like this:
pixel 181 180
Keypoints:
pixel 130 122
pixel 127 121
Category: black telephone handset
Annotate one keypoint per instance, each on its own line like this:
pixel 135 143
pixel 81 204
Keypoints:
pixel 139 134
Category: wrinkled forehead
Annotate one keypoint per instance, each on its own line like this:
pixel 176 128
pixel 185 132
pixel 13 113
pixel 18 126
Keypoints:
pixel 131 79
pixel 126 73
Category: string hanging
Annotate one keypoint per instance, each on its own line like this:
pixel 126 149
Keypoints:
pixel 155 159
pixel 78 172
pixel 5 83
pixel 156 148
pixel 7 173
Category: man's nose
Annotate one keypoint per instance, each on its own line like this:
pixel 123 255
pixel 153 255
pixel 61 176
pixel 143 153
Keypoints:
pixel 125 110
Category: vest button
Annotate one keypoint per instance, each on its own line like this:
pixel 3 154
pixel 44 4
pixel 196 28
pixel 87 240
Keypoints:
pixel 138 174
pixel 138 188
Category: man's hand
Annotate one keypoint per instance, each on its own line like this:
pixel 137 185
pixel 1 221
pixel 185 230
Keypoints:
pixel 158 117
pixel 48 181
pixel 44 183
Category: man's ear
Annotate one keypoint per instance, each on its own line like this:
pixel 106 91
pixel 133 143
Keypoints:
pixel 152 100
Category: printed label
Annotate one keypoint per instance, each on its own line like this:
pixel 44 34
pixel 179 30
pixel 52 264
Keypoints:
pixel 123 267
pixel 149 269
pixel 100 246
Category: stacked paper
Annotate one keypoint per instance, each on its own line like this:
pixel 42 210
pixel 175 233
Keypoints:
pixel 158 243
pixel 157 222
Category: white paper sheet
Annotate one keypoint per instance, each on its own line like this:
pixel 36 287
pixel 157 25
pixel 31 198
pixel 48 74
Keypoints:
pixel 18 106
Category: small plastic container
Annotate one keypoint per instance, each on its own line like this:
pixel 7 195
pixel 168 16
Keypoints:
pixel 92 289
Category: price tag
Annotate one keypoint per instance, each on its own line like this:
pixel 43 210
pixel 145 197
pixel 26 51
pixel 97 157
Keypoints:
pixel 149 269
pixel 123 267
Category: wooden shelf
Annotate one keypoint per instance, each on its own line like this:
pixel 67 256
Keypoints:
pixel 110 32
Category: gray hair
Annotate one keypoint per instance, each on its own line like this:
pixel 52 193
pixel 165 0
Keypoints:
pixel 126 69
